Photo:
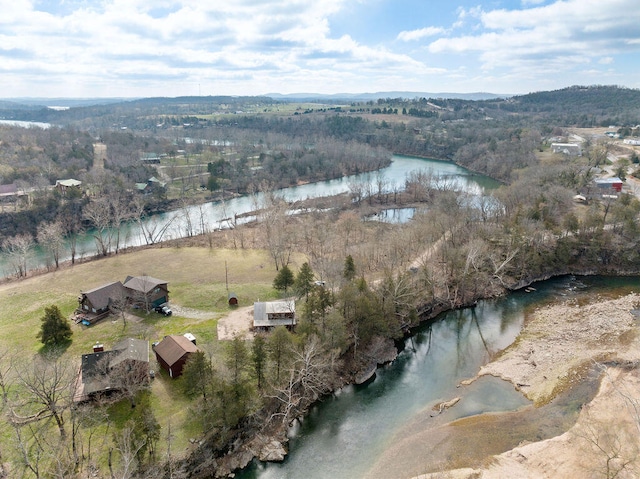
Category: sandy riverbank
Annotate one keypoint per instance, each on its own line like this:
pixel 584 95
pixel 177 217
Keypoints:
pixel 557 345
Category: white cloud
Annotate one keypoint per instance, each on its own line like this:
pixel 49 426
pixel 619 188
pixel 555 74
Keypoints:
pixel 412 35
pixel 165 47
pixel 571 31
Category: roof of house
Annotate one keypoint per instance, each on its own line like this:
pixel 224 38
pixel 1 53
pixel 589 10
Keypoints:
pixel 69 182
pixel 134 349
pixel 262 312
pixel 174 347
pixel 100 296
pixel 143 284
pixel 608 181
pixel 8 189
pixel 95 365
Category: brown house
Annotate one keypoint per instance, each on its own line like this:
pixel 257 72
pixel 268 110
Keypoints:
pixel 98 300
pixel 146 292
pixel 172 353
pixel 105 372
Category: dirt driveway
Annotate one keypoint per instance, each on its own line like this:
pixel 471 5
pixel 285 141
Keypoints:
pixel 236 323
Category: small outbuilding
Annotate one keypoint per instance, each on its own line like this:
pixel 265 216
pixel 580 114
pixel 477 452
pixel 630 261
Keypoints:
pixel 172 353
pixel 268 315
pixel 233 299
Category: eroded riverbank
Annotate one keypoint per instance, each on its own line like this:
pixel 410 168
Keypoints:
pixel 550 363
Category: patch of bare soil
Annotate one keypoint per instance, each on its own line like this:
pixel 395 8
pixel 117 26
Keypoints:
pixel 548 356
pixel 236 324
pixel 191 313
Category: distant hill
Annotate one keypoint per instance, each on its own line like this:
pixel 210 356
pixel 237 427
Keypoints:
pixel 576 105
pixel 581 105
pixel 63 102
pixel 387 94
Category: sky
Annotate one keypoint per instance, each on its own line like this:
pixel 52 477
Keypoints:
pixel 146 48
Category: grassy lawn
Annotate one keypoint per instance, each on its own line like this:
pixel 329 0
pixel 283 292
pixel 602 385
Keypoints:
pixel 197 280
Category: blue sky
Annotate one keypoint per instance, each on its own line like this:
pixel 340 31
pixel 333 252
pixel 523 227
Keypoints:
pixel 141 48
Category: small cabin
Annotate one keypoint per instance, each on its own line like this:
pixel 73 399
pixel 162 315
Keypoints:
pixel 172 353
pixel 268 315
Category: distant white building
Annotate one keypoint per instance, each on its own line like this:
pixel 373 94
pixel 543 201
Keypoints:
pixel 631 141
pixel 570 149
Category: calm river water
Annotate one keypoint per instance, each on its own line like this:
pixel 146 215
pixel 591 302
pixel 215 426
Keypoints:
pixel 180 223
pixel 345 434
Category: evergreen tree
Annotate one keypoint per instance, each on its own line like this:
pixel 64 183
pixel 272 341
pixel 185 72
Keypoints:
pixel 279 345
pixel 304 281
pixel 349 268
pixel 284 279
pixel 237 358
pixel 259 358
pixel 197 375
pixel 54 330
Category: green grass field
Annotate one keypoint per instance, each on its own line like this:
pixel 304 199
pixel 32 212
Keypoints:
pixel 197 279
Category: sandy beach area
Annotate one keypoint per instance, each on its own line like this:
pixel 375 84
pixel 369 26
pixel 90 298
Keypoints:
pixel 558 345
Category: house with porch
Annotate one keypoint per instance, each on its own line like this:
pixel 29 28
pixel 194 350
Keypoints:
pixel 105 372
pixel 97 303
pixel 268 315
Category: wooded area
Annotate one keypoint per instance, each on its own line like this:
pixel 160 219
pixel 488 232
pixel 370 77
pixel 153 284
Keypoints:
pixel 376 280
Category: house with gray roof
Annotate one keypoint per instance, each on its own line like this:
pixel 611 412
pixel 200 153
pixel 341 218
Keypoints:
pixel 268 315
pixel 105 372
pixel 99 300
pixel 146 292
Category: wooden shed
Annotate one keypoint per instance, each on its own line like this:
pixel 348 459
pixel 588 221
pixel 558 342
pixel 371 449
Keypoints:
pixel 172 353
pixel 233 299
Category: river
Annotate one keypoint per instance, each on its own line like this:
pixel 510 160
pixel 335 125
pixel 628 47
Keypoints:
pixel 344 435
pixel 194 219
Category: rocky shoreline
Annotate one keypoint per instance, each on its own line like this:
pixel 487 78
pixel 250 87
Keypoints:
pixel 550 356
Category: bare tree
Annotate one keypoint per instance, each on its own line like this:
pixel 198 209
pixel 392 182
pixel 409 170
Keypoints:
pixel 18 250
pixel 129 378
pixel 310 374
pixel 99 213
pixel 153 229
pixel 51 238
pixel 48 383
pixel 120 210
pixel 128 445
pixel 71 222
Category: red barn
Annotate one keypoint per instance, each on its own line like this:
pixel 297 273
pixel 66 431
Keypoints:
pixel 172 353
